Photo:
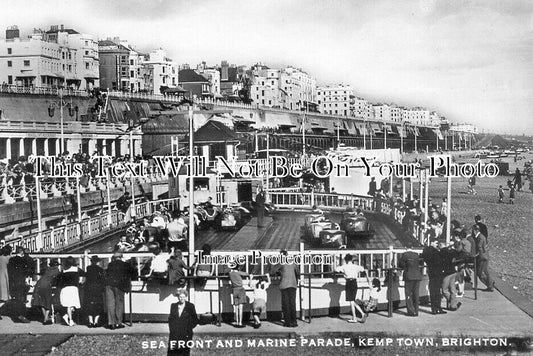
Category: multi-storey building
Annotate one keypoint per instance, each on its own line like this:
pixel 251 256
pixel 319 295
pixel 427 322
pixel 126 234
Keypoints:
pixel 386 112
pixel 114 65
pixel 417 116
pixel 211 74
pixel 288 88
pixel 232 79
pixel 56 58
pixel 266 91
pixel 335 100
pixel 361 108
pixel 159 71
pixel 194 83
pixel 298 87
pixel 136 73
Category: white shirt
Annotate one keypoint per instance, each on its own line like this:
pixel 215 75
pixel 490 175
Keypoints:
pixel 159 263
pixel 350 270
pixel 261 293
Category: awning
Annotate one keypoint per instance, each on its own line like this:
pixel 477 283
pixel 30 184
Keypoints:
pixel 388 128
pixel 363 129
pixel 414 130
pixel 402 131
pixel 376 128
pixel 438 133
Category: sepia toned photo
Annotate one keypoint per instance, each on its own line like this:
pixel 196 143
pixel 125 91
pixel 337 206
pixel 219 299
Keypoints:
pixel 315 177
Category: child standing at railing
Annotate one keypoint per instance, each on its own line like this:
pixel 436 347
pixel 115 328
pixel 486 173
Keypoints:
pixel 259 298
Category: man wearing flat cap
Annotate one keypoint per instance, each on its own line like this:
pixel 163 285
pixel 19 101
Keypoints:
pixel 118 282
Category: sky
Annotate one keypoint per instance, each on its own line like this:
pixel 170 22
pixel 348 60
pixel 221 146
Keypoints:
pixel 470 61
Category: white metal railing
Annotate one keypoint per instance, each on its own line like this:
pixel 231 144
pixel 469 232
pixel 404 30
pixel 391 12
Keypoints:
pixel 322 262
pixel 295 200
pixel 74 126
pixel 51 188
pixel 19 89
pixel 66 235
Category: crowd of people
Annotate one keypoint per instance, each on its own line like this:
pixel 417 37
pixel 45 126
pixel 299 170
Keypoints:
pixel 64 288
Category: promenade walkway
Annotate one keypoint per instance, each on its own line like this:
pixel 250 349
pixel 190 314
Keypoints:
pixel 491 315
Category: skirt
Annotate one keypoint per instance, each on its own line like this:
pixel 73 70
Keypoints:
pixel 70 297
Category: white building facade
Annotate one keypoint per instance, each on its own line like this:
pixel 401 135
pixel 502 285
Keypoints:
pixel 335 100
pixel 159 71
pixel 55 58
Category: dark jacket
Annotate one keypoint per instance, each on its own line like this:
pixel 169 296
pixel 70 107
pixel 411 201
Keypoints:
pixel 119 274
pixel 290 273
pixel 433 260
pixel 181 327
pixel 483 229
pixel 410 262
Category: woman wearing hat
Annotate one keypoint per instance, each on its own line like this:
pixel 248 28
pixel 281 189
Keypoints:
pixel 69 282
pixel 93 303
pixel 42 293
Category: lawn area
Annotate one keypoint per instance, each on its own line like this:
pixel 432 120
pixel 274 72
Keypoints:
pixel 510 226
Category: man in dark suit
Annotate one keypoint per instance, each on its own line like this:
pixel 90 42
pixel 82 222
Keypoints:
pixel 289 282
pixel 260 200
pixel 181 322
pixel 482 227
pixel 118 282
pixel 412 275
pixel 433 260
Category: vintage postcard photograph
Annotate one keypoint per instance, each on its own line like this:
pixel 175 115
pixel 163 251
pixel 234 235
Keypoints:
pixel 306 177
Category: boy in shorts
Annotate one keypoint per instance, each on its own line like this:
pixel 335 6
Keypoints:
pixel 239 294
pixel 260 298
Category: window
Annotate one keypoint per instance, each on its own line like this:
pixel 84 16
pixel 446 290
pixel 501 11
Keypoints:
pixel 69 55
pixel 262 92
pixel 70 68
pixel 9 64
pixel 9 79
pixel 131 62
pixel 270 102
pixel 86 53
pixel 26 63
pixel 132 73
pixel 86 43
pixel 263 101
pixel 86 65
pixel 63 55
pixel 9 51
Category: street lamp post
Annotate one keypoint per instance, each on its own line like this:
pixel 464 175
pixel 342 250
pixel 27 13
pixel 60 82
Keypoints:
pixel 133 211
pixel 51 110
pixel 401 136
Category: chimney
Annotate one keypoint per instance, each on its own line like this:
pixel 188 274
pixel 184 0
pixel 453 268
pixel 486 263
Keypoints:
pixel 62 27
pixel 224 75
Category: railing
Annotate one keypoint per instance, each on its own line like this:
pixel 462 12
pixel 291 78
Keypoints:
pixel 73 233
pixel 296 200
pixel 18 89
pixel 55 127
pixel 321 262
pixel 11 193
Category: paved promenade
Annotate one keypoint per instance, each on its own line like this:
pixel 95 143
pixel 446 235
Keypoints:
pixel 491 315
